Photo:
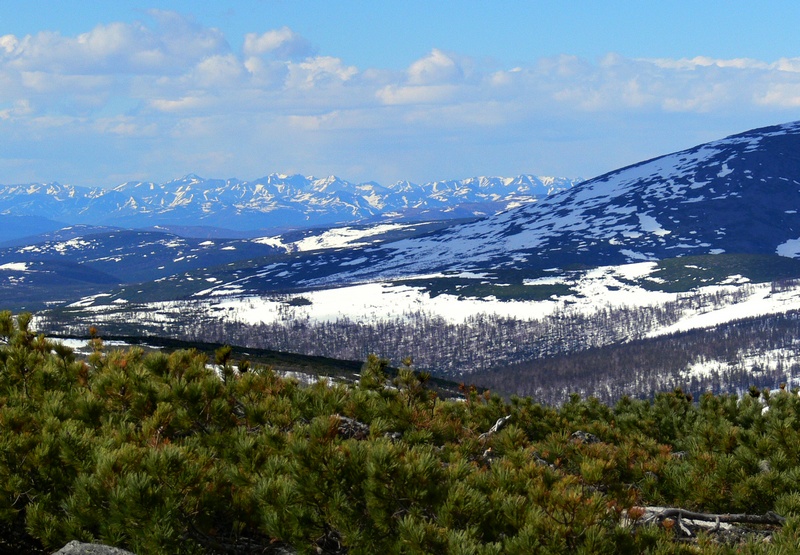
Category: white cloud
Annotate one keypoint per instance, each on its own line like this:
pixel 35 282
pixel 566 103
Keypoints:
pixel 435 68
pixel 616 83
pixel 315 122
pixel 186 103
pixel 264 73
pixel 318 71
pixel 21 108
pixel 786 95
pixel 185 66
pixel 170 78
pixel 428 94
pixel 219 71
pixel 184 40
pixel 788 64
pixel 9 43
pixel 117 48
pixel 705 61
pixel 281 44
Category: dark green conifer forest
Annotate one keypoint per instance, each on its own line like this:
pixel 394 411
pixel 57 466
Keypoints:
pixel 179 453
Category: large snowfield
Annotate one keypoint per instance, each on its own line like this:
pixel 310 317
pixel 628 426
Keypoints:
pixel 598 289
pixel 606 287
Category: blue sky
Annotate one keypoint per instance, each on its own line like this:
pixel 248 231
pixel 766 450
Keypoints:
pixel 98 93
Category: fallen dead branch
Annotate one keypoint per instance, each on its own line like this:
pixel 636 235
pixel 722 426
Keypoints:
pixel 727 527
pixel 767 518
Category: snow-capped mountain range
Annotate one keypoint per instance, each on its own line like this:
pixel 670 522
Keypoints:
pixel 274 201
pixel 737 195
pixel 685 241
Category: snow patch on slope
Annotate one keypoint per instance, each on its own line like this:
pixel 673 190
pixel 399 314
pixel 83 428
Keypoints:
pixel 753 363
pixel 594 291
pixel 15 266
pixel 790 248
pixel 650 225
pixel 761 301
pixel 333 238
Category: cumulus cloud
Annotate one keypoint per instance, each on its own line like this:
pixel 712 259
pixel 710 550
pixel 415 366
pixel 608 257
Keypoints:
pixel 436 78
pixel 320 70
pixel 785 95
pixel 266 74
pixel 174 64
pixel 186 103
pixel 219 71
pixel 116 48
pixel 435 68
pixel 183 39
pixel 9 44
pixel 616 83
pixel 281 44
pixel 170 77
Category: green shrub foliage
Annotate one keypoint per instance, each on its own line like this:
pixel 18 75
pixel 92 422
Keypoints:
pixel 176 453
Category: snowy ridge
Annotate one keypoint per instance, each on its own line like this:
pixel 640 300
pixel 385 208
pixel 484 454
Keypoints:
pixel 643 257
pixel 334 238
pixel 736 195
pixel 276 200
pixel 693 240
pixel 731 195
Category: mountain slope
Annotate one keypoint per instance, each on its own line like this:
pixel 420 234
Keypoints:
pixel 12 228
pixel 160 265
pixel 736 195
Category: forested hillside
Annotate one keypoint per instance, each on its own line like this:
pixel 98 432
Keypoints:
pixel 725 359
pixel 607 353
pixel 176 453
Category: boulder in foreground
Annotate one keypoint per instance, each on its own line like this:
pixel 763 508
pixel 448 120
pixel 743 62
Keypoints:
pixel 79 548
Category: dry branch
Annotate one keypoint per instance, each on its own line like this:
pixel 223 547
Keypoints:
pixel 767 518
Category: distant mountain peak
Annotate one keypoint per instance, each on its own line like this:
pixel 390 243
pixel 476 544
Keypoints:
pixel 275 201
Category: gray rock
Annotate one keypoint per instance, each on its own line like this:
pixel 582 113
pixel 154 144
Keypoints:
pixel 585 437
pixel 350 428
pixel 79 548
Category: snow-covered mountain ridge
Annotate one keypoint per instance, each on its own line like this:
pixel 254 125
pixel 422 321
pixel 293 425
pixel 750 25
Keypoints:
pixel 737 195
pixel 274 201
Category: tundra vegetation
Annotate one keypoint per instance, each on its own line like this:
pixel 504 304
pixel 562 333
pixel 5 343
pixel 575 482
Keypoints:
pixel 179 453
